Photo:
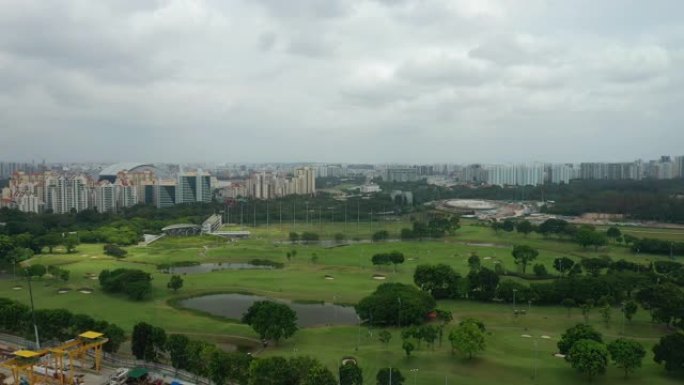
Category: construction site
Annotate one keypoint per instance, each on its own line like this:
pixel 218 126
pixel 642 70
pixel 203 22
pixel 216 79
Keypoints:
pixel 79 361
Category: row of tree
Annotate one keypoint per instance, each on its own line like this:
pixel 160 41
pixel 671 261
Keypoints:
pixel 135 284
pixel 205 359
pixel 55 324
pixel 586 352
pixel 20 247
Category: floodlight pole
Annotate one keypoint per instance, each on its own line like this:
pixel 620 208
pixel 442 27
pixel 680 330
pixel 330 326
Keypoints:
pixel 33 312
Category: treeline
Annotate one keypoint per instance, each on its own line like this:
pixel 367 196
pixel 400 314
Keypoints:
pixel 659 200
pixel 589 236
pixel 55 324
pixel 656 286
pixel 205 359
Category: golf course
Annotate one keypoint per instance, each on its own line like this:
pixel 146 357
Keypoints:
pixel 519 349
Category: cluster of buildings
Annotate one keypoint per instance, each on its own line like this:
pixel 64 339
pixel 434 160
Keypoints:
pixel 273 184
pixel 66 188
pixel 113 188
pixel 533 174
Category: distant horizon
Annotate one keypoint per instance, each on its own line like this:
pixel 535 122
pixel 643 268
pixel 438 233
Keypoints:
pixel 382 163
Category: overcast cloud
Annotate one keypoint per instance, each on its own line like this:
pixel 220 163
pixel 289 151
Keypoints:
pixel 341 80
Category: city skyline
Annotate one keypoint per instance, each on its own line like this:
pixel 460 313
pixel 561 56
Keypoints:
pixel 341 81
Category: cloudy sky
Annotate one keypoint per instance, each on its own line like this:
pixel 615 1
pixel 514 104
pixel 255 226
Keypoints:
pixel 341 80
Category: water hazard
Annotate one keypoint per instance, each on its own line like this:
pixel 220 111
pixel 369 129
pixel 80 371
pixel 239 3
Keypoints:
pixel 209 267
pixel 308 315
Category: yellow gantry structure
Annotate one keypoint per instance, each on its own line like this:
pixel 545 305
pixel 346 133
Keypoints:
pixel 35 369
pixel 23 364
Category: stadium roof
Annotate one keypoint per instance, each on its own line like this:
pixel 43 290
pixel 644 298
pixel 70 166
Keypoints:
pixel 181 226
pixel 114 169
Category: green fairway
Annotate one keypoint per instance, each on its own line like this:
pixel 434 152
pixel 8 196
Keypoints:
pixel 508 358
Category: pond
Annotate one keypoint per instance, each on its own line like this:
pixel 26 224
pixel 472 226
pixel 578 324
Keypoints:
pixel 209 267
pixel 308 314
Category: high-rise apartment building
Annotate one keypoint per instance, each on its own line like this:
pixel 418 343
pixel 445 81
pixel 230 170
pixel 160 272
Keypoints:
pixel 194 187
pixel 165 194
pixel 515 175
pixel 105 197
pixel 66 193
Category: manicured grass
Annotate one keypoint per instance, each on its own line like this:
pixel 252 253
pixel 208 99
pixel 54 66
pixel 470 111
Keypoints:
pixel 509 358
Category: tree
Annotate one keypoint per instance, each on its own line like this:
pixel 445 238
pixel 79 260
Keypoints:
pixel 136 284
pixel 474 262
pixel 588 357
pixel 408 347
pixel 381 259
pixel 441 280
pixel 395 304
pixel 576 333
pixel 594 266
pixel 626 354
pixel 468 338
pixel 429 334
pixel 613 233
pixel 508 225
pixel 270 371
pixel 271 320
pixel 482 284
pixel 670 350
pixel 6 245
pixel 350 374
pixel 523 255
pixel 524 227
pixel 380 236
pixel 385 336
pixel 114 250
pixel 50 241
pixel 629 309
pixel 294 237
pixel 70 242
pixel 147 341
pixel 385 374
pixel 175 283
pixel 563 264
pixel 540 270
pixel 36 270
pixel 396 258
pixel 318 375
pixel 664 301
pixel 177 345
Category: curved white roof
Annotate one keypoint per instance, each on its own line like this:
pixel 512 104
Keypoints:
pixel 114 169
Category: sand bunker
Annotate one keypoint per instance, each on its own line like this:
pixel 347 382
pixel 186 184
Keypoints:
pixel 329 277
pixel 63 290
pixel 379 277
pixel 17 288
